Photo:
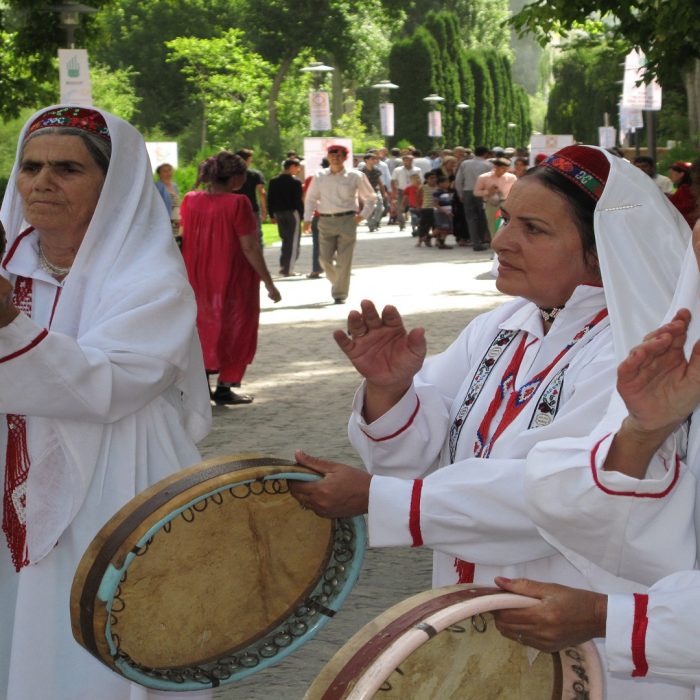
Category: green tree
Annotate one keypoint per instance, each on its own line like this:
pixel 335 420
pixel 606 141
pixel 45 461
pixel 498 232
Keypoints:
pixel 230 80
pixel 133 33
pixel 665 31
pixel 584 90
pixel 114 91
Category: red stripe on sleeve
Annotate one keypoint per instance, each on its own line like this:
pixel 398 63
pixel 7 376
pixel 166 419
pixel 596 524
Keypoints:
pixel 634 494
pixel 401 429
pixel 639 633
pixel 26 348
pixel 414 514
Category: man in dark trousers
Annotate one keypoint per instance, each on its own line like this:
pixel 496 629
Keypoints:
pixel 286 208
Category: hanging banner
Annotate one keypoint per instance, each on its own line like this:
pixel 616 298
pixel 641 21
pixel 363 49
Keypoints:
pixel 630 119
pixel 435 124
pixel 386 118
pixel 606 136
pixel 642 96
pixel 74 77
pixel 320 111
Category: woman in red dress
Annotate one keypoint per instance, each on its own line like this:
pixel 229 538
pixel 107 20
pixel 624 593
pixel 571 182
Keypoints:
pixel 225 265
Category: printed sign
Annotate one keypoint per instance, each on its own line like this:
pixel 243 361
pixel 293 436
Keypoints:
pixel 160 152
pixel 320 111
pixel 642 96
pixel 74 77
pixel 386 118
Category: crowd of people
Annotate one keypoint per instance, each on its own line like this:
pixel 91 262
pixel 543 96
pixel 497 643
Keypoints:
pixel 552 447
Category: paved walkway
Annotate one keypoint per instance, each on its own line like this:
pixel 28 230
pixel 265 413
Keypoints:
pixel 303 388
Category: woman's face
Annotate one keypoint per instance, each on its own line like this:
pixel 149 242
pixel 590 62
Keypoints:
pixel 539 248
pixel 166 173
pixel 675 175
pixel 60 184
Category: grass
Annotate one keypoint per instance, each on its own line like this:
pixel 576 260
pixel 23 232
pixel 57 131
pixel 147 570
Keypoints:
pixel 270 234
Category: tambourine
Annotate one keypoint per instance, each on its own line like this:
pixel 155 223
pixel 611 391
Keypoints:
pixel 444 644
pixel 212 574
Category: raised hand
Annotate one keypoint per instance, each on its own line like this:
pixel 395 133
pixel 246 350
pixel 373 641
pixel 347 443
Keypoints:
pixel 563 617
pixel 383 352
pixel 658 385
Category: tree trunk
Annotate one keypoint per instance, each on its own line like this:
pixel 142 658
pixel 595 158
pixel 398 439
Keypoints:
pixel 691 80
pixel 280 75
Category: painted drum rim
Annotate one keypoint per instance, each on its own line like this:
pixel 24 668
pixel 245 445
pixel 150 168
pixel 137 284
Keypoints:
pixel 101 580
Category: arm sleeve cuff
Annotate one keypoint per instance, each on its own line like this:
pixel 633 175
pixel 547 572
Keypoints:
pixel 389 511
pixel 618 633
pixel 662 473
pixel 19 337
pixel 393 422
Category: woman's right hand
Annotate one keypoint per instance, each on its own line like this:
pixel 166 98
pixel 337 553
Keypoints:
pixel 658 385
pixel 273 292
pixel 381 349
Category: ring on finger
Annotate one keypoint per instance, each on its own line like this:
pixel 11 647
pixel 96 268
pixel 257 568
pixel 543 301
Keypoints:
pixel 358 335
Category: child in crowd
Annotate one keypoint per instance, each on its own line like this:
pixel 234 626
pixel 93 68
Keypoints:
pixel 426 213
pixel 442 207
pixel 411 196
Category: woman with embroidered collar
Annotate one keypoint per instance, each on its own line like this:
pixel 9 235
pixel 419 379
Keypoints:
pixel 445 438
pixel 103 384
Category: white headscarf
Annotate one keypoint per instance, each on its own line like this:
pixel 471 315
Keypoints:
pixel 126 259
pixel 641 240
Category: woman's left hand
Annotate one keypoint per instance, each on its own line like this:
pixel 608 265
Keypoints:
pixel 342 492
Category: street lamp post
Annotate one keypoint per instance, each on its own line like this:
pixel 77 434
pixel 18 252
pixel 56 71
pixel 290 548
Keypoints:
pixel 69 15
pixel 434 117
pixel 386 108
pixel 319 101
pixel 511 127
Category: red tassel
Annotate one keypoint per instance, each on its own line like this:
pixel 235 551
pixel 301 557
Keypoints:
pixel 465 571
pixel 14 500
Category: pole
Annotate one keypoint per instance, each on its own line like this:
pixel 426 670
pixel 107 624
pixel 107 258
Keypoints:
pixel 650 119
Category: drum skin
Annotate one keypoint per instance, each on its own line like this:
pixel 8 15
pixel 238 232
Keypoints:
pixel 444 644
pixel 212 574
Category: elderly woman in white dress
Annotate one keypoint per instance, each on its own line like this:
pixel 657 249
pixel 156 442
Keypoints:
pixel 445 439
pixel 103 386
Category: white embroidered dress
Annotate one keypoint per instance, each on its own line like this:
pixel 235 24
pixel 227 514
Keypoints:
pixel 110 376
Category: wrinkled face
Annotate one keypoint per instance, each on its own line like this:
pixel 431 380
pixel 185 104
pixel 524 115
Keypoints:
pixel 539 248
pixel 60 184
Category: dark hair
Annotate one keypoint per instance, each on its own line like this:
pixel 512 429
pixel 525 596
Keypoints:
pixel 645 159
pixel 686 179
pixel 582 205
pixel 162 165
pixel 245 153
pixel 695 182
pixel 221 168
pixel 395 151
pixel 290 162
pixel 481 151
pixel 325 162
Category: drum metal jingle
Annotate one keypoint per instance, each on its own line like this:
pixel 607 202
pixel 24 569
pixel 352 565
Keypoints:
pixel 212 574
pixel 443 644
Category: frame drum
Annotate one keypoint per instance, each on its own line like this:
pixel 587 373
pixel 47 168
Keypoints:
pixel 212 574
pixel 444 644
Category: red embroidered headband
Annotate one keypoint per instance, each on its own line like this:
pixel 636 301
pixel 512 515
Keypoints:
pixel 586 167
pixel 71 117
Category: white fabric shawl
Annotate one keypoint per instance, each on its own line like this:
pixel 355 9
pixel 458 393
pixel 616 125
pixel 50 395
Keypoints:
pixel 126 262
pixel 641 240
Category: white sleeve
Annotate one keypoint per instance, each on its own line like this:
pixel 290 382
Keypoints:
pixel 621 524
pixel 655 635
pixel 473 509
pixel 96 379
